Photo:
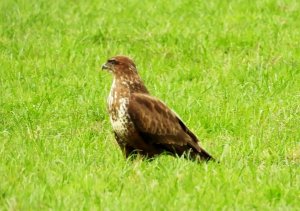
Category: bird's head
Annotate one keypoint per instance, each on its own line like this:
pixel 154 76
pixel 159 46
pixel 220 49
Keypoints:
pixel 120 65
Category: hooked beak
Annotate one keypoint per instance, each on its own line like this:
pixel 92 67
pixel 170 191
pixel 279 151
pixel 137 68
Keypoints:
pixel 105 67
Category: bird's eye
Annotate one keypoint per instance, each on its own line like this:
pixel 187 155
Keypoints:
pixel 112 61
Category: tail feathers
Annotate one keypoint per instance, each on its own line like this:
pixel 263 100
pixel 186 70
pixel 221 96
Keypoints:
pixel 198 153
pixel 202 155
pixel 192 152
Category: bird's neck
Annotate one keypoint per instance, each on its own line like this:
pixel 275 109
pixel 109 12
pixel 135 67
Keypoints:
pixel 129 84
pixel 122 88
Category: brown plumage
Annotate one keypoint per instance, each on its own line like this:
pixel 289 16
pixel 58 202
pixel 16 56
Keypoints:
pixel 143 124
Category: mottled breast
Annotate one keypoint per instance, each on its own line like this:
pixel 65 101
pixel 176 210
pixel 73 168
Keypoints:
pixel 119 117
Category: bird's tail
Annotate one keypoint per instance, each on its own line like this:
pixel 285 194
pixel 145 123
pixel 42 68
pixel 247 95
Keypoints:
pixel 203 155
pixel 198 153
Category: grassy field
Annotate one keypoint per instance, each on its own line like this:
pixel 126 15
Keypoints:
pixel 230 69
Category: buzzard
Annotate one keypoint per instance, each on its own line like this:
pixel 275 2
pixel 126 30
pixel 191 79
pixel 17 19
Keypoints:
pixel 143 124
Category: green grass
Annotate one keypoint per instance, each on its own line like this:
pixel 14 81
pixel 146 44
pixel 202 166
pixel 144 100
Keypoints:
pixel 230 69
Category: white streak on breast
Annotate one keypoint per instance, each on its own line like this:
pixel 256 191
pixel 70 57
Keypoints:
pixel 121 122
pixel 111 97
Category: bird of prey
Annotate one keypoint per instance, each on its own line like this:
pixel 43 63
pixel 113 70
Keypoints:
pixel 143 124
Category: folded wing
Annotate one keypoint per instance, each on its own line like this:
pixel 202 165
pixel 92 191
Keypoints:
pixel 159 125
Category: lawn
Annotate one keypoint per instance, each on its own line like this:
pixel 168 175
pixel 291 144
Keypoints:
pixel 230 69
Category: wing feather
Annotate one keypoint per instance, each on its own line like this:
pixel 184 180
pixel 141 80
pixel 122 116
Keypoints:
pixel 153 117
pixel 160 125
